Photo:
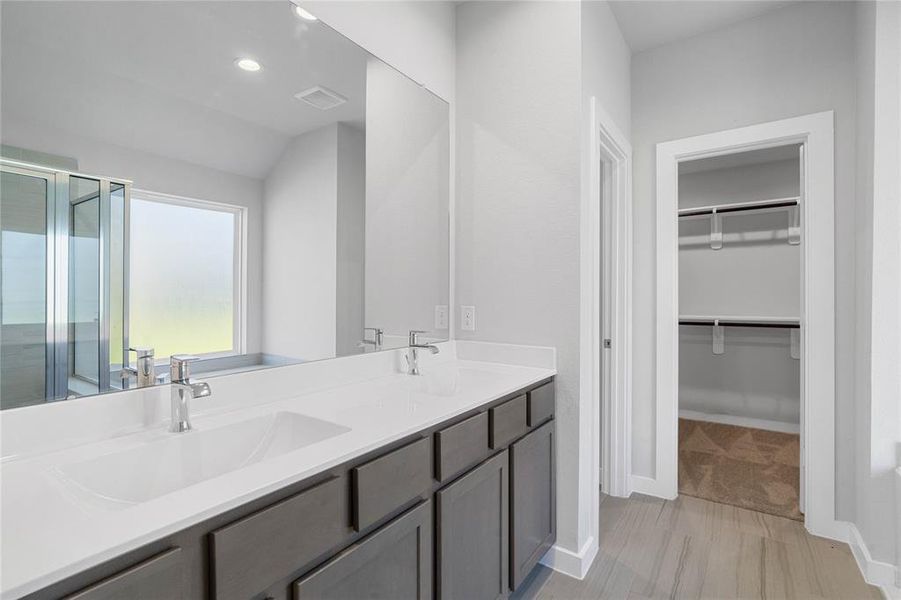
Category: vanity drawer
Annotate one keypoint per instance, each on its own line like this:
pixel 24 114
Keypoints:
pixel 159 576
pixel 391 481
pixel 541 404
pixel 508 421
pixel 252 553
pixel 460 446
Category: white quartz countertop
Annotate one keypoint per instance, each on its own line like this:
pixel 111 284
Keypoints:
pixel 52 529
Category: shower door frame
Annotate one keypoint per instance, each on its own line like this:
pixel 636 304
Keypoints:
pixel 58 208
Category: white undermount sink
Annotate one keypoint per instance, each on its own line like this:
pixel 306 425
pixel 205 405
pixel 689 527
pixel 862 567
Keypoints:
pixel 183 459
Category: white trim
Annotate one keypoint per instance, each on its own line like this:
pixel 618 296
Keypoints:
pixel 571 563
pixel 239 335
pixel 649 487
pixel 610 371
pixel 767 424
pixel 815 133
pixel 881 574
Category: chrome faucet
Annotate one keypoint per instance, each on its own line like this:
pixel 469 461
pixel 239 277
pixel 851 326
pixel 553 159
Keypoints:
pixel 378 338
pixel 183 390
pixel 143 370
pixel 413 354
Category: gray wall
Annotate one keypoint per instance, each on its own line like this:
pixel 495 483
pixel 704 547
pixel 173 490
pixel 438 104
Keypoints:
pixel 785 63
pixel 350 238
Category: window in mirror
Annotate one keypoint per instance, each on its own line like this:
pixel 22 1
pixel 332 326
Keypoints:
pixel 185 276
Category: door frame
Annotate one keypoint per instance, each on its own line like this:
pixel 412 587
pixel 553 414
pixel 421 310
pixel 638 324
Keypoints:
pixel 608 311
pixel 815 134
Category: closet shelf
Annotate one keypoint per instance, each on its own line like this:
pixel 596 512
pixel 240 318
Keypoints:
pixel 741 321
pixel 740 206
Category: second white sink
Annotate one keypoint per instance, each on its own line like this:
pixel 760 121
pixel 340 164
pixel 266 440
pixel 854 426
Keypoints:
pixel 161 467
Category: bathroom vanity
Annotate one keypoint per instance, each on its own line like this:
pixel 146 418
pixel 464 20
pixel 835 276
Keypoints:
pixel 413 487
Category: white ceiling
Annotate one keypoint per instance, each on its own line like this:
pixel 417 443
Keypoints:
pixel 159 76
pixel 646 24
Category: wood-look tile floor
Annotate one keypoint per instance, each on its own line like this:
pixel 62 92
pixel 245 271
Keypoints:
pixel 694 548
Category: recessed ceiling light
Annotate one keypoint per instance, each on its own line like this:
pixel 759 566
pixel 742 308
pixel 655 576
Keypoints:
pixel 304 14
pixel 247 64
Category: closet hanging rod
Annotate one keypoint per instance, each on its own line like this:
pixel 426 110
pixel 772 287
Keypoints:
pixel 740 206
pixel 766 322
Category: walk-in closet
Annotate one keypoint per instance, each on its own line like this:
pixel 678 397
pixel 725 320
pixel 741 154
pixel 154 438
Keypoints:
pixel 739 329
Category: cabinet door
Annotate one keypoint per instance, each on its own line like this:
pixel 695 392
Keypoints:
pixel 394 563
pixel 473 523
pixel 157 577
pixel 532 501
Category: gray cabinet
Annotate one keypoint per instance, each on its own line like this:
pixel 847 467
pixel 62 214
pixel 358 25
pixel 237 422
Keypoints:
pixel 472 533
pixel 508 422
pixel 470 498
pixel 384 485
pixel 157 577
pixel 394 563
pixel 252 553
pixel 533 501
pixel 461 446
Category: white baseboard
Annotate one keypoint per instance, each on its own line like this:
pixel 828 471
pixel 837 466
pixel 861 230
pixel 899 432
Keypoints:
pixel 649 487
pixel 767 424
pixel 881 574
pixel 570 563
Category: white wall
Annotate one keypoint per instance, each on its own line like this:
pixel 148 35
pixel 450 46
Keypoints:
pixel 522 97
pixel 518 118
pixel 757 273
pixel 878 254
pixel 299 249
pixel 785 63
pixel 407 225
pixel 417 38
pixel 164 175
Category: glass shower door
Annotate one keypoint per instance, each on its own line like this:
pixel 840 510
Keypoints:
pixel 26 351
pixel 63 284
pixel 85 291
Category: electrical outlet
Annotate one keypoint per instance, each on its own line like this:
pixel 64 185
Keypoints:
pixel 441 316
pixel 468 318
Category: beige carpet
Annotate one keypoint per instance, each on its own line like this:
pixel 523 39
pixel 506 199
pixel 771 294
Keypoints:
pixel 741 466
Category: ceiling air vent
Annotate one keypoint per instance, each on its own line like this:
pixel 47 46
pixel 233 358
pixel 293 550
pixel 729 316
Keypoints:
pixel 321 97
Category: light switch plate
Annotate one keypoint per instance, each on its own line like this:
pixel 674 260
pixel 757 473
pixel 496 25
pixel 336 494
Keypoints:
pixel 468 318
pixel 441 316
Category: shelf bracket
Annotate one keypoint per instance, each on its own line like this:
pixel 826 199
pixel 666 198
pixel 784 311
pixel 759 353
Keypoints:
pixel 719 337
pixel 796 344
pixel 794 225
pixel 716 230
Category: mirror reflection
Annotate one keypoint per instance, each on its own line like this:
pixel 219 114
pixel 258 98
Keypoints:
pixel 272 195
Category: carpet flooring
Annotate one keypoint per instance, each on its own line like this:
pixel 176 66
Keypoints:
pixel 745 467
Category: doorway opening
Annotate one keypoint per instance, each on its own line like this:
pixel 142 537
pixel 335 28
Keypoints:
pixel 739 280
pixel 807 219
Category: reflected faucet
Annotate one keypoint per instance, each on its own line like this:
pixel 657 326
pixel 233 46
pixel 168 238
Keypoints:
pixel 183 390
pixel 378 337
pixel 143 370
pixel 413 354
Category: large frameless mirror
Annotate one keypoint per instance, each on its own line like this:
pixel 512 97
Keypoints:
pixel 233 180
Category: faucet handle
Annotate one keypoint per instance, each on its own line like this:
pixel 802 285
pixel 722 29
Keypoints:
pixel 414 334
pixel 180 366
pixel 142 351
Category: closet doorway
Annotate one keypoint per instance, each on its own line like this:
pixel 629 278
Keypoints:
pixel 739 329
pixel 745 319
